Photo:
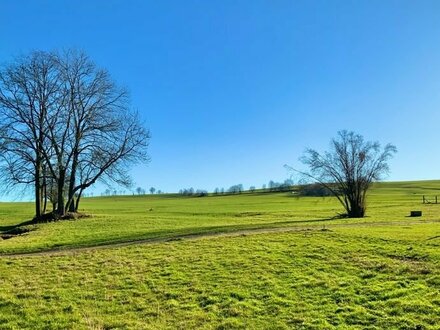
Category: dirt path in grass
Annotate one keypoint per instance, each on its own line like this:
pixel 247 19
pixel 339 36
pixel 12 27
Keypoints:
pixel 206 235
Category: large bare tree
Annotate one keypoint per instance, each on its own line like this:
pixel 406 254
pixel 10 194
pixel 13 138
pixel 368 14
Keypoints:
pixel 29 87
pixel 65 125
pixel 349 168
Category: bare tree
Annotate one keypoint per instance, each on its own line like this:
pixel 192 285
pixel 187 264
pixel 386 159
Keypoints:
pixel 94 136
pixel 349 168
pixel 65 123
pixel 29 89
pixel 152 190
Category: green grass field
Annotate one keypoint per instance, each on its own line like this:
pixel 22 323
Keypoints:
pixel 254 261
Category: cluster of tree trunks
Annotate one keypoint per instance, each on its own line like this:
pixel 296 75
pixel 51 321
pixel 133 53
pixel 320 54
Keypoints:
pixel 64 125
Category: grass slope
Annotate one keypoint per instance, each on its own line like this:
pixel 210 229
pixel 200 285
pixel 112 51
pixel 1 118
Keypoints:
pixel 382 272
pixel 304 280
pixel 118 219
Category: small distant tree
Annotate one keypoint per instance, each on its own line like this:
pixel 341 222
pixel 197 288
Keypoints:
pixel 201 193
pixel 271 185
pixel 236 189
pixel 188 191
pixel 349 168
pixel 139 190
pixel 152 190
pixel 288 183
pixel 252 189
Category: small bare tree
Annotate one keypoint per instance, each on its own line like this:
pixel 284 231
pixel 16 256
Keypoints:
pixel 349 169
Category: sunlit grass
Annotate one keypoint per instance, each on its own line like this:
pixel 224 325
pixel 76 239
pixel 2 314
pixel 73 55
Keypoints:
pixel 311 279
pixel 116 219
pixel 380 272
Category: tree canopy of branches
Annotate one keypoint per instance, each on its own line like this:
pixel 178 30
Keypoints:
pixel 349 168
pixel 65 125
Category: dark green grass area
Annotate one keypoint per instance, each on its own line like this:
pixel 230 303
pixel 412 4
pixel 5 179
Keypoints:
pixel 368 278
pixel 127 218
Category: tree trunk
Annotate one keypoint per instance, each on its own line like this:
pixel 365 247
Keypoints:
pixel 44 196
pixel 60 192
pixel 44 193
pixel 37 188
pixel 39 163
pixel 37 195
pixel 71 195
pixel 356 210
pixel 78 199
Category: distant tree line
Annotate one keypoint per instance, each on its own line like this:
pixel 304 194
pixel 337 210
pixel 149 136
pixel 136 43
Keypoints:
pixel 137 191
pixel 219 191
pixel 280 186
pixel 113 192
pixel 313 190
pixel 236 189
pixel 65 125
pixel 140 191
pixel 273 186
pixel 239 188
pixel 192 192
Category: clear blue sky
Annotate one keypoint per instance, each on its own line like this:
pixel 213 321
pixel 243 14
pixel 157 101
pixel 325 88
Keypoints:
pixel 233 90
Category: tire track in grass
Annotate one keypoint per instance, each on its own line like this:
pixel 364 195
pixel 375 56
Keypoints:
pixel 61 251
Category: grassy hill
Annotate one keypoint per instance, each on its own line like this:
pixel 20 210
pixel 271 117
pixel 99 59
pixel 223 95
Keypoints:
pixel 128 218
pixel 279 262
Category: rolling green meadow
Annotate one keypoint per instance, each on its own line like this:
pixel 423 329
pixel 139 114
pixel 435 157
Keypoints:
pixel 274 125
pixel 248 261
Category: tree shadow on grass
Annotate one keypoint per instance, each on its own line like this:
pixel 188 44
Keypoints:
pixel 7 232
pixel 12 228
pixel 45 218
